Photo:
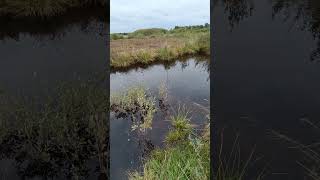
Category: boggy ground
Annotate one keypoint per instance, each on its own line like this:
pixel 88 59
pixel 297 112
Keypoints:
pixel 186 153
pixel 147 46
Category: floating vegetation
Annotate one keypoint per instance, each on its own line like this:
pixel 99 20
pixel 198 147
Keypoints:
pixel 137 104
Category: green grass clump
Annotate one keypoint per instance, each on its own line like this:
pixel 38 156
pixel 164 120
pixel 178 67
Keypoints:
pixel 144 56
pixel 181 128
pixel 121 60
pixel 166 54
pixel 137 103
pixel 203 43
pixel 187 158
pixel 189 161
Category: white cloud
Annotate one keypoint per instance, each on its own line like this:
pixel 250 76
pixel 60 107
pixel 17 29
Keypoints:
pixel 129 15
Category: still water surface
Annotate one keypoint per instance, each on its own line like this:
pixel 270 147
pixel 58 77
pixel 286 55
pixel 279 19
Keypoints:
pixel 267 79
pixel 36 58
pixel 188 84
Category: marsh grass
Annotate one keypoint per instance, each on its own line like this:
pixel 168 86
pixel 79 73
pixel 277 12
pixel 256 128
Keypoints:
pixel 152 45
pixel 58 135
pixel 186 156
pixel 137 103
pixel 181 127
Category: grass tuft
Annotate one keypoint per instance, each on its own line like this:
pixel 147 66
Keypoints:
pixel 181 128
pixel 137 103
pixel 187 158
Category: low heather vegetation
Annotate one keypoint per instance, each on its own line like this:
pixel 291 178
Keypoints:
pixel 146 46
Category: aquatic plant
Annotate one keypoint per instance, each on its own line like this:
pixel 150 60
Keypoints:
pixel 163 92
pixel 136 103
pixel 181 128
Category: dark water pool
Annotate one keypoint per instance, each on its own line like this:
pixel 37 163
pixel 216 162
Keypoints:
pixel 267 78
pixel 36 57
pixel 188 84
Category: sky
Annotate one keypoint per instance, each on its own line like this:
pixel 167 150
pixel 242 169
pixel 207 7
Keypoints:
pixel 130 15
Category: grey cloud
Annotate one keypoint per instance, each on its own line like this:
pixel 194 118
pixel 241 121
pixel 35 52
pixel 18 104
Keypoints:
pixel 129 15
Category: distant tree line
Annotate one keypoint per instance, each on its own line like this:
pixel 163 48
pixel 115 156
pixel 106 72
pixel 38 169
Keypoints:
pixel 206 25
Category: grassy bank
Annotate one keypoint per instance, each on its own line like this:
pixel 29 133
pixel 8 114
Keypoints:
pixel 146 46
pixel 43 8
pixel 186 156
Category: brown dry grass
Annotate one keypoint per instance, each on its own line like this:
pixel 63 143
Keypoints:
pixel 128 52
pixel 124 45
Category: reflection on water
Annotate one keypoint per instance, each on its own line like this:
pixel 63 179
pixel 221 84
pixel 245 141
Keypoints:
pixel 33 60
pixel 236 11
pixel 65 136
pixel 187 83
pixel 266 80
pixel 297 14
pixel 54 27
pixel 54 102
